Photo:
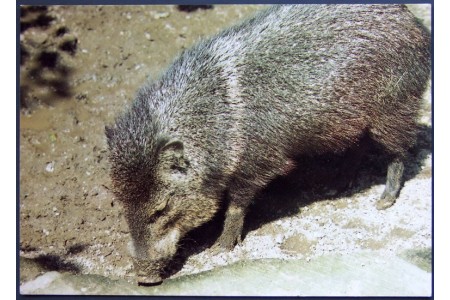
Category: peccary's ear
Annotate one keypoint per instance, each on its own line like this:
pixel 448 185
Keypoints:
pixel 171 151
pixel 172 156
pixel 173 145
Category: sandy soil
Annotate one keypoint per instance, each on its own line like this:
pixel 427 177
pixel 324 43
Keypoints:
pixel 81 65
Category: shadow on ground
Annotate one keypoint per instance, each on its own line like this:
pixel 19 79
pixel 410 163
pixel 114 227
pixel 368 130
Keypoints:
pixel 32 267
pixel 329 177
pixel 51 262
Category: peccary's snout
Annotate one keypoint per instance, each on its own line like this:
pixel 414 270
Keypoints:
pixel 148 271
pixel 151 258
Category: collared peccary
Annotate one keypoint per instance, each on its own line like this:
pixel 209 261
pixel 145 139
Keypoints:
pixel 234 111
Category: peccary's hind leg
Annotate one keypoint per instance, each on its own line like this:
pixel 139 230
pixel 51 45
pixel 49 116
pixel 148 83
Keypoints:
pixel 393 184
pixel 396 138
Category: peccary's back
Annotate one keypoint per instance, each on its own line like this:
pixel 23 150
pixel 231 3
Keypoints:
pixel 294 80
pixel 326 73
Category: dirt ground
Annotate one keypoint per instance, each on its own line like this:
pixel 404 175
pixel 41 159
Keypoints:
pixel 81 66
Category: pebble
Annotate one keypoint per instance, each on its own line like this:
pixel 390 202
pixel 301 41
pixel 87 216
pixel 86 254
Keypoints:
pixel 50 167
pixel 161 15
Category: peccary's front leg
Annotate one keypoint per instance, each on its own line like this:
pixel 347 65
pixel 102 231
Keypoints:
pixel 393 184
pixel 232 229
pixel 234 219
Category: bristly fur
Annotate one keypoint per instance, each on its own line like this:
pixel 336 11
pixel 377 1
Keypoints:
pixel 231 113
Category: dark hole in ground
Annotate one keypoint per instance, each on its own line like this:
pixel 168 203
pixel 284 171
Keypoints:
pixel 45 76
pixel 48 59
pixel 60 87
pixel 27 10
pixel 53 79
pixel 42 20
pixel 35 8
pixel 61 31
pixel 69 46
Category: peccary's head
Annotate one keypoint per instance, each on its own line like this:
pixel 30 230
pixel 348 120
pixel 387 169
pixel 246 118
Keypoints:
pixel 159 189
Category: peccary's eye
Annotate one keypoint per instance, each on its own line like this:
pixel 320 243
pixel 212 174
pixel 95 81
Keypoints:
pixel 155 216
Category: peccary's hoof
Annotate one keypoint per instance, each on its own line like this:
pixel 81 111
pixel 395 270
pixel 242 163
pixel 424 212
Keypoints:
pixel 226 242
pixel 219 248
pixel 385 202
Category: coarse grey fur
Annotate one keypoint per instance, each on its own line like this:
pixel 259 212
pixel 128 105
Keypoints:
pixel 234 111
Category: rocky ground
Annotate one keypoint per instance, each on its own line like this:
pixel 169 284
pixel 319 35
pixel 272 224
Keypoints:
pixel 77 72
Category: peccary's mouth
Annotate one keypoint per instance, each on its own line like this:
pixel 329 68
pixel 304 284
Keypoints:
pixel 148 272
pixel 149 280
